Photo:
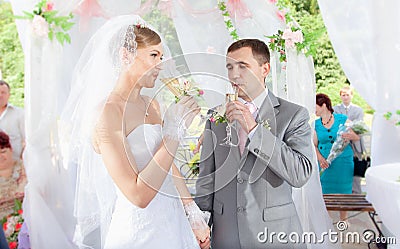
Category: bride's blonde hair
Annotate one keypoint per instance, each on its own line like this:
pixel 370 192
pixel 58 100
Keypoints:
pixel 146 37
pixel 131 38
pixel 139 36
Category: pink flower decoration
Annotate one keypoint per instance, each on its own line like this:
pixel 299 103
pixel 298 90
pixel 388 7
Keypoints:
pixel 49 6
pixel 212 119
pixel 201 92
pixel 211 50
pixel 281 15
pixel 292 37
pixel 272 1
pixel 298 36
pixel 39 26
pixel 87 9
pixel 289 43
pixel 238 9
pixel 13 245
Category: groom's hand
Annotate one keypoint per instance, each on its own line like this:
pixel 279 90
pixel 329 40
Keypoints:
pixel 206 244
pixel 236 110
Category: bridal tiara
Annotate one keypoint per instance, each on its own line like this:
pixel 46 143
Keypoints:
pixel 130 37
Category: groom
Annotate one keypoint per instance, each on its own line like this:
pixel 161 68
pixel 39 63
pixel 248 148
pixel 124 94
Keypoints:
pixel 248 188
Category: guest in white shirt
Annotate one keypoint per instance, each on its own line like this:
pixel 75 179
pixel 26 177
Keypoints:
pixel 353 113
pixel 12 121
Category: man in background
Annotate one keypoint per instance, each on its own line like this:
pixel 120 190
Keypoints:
pixel 353 113
pixel 12 121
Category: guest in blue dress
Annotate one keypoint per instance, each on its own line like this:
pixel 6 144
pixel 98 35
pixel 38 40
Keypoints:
pixel 3 240
pixel 337 178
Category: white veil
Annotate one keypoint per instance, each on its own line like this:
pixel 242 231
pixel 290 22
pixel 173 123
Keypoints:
pixel 93 79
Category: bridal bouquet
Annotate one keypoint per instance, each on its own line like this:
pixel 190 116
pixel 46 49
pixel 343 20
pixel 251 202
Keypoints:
pixel 181 88
pixel 359 127
pixel 12 225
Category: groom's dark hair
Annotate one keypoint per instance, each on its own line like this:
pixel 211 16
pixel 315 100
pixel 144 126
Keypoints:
pixel 258 48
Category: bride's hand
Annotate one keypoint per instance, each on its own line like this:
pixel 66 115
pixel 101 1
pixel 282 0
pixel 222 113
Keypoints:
pixel 179 116
pixel 197 221
pixel 202 235
pixel 191 109
pixel 205 244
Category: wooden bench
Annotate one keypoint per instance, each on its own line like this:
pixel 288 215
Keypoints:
pixel 347 202
pixel 352 202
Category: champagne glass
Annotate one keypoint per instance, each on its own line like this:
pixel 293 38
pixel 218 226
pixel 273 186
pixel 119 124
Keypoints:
pixel 172 84
pixel 231 95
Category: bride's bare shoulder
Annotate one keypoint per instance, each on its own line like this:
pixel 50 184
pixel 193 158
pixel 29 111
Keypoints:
pixel 152 103
pixel 114 100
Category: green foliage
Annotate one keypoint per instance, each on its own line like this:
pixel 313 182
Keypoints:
pixel 329 75
pixel 194 164
pixel 332 90
pixel 228 21
pixel 277 43
pixel 327 68
pixel 58 25
pixel 165 26
pixel 11 55
pixel 390 116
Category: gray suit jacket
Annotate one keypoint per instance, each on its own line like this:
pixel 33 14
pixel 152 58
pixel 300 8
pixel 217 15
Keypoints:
pixel 250 196
pixel 353 113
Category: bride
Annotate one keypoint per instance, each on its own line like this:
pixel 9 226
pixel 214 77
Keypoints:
pixel 129 192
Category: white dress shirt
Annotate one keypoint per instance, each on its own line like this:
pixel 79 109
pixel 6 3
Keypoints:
pixel 12 122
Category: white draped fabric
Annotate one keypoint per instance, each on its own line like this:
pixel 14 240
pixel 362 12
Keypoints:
pixel 383 188
pixel 366 37
pixel 49 194
pixel 200 28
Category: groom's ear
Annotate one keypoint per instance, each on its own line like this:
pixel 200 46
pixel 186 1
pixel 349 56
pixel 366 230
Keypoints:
pixel 265 69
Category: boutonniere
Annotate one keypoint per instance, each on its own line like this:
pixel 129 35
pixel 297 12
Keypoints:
pixel 264 123
pixel 217 115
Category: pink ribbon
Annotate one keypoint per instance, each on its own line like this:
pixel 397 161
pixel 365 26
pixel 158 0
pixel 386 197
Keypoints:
pixel 86 10
pixel 238 9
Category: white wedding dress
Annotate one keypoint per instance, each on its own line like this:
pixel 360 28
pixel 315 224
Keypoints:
pixel 162 224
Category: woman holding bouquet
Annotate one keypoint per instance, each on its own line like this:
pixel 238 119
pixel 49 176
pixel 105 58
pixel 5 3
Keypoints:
pixel 337 177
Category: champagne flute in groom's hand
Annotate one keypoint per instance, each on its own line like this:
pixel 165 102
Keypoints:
pixel 232 93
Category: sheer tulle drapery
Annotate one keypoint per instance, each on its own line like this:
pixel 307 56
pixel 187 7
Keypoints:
pixel 366 39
